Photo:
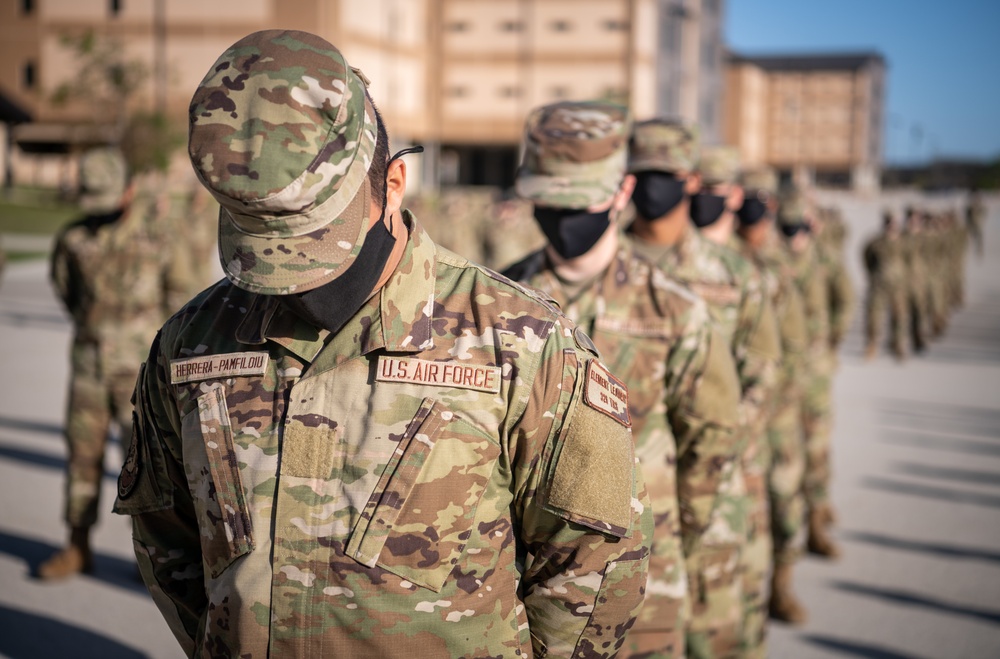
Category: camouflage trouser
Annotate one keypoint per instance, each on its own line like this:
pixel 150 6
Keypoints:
pixel 918 315
pixel 816 425
pixel 755 561
pixel 884 298
pixel 94 402
pixel 715 584
pixel 937 309
pixel 788 466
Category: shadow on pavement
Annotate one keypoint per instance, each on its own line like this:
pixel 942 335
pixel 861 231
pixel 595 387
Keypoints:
pixel 33 426
pixel 854 649
pixel 29 635
pixel 109 569
pixel 970 476
pixel 936 493
pixel 941 443
pixel 38 320
pixel 948 419
pixel 901 597
pixel 42 460
pixel 947 551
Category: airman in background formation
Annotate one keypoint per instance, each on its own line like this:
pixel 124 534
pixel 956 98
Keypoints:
pixel 975 218
pixel 112 274
pixel 812 276
pixel 783 454
pixel 671 200
pixel 657 335
pixel 885 263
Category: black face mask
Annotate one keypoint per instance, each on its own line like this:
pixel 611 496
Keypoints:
pixel 331 305
pixel 656 194
pixel 572 232
pixel 791 230
pixel 706 209
pixel 752 211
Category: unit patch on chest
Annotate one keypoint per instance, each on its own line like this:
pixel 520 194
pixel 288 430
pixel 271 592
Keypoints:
pixel 441 374
pixel 606 393
pixel 211 367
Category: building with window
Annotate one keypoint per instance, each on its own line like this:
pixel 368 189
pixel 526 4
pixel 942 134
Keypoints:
pixel 814 117
pixel 458 76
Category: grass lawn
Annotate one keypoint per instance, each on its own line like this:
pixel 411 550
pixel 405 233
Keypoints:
pixel 43 220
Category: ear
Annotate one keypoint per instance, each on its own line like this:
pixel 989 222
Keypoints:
pixel 734 200
pixel 623 196
pixel 692 183
pixel 395 186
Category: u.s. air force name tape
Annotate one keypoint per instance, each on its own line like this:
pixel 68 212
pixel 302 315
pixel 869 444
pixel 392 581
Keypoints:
pixel 442 374
pixel 210 367
pixel 606 393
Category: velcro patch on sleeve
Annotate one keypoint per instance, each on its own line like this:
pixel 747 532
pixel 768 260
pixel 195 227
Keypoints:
pixel 478 377
pixel 606 393
pixel 210 367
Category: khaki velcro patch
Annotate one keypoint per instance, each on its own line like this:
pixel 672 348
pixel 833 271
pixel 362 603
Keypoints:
pixel 606 393
pixel 595 473
pixel 210 367
pixel 479 377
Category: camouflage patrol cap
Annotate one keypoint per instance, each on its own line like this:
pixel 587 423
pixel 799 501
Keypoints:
pixel 791 207
pixel 574 154
pixel 103 179
pixel 663 145
pixel 282 134
pixel 719 165
pixel 760 179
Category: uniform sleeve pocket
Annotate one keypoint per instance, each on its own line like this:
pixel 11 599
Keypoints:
pixel 226 532
pixel 619 599
pixel 421 514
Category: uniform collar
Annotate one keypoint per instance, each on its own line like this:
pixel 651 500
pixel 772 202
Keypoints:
pixel 398 318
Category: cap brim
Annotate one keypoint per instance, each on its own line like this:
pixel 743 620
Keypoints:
pixel 285 265
pixel 100 202
pixel 564 192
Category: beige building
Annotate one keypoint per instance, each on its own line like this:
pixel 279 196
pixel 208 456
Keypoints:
pixel 458 76
pixel 817 117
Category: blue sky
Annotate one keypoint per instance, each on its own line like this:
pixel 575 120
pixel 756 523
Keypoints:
pixel 943 78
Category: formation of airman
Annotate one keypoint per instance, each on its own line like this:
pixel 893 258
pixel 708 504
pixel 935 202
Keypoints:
pixel 916 277
pixel 635 418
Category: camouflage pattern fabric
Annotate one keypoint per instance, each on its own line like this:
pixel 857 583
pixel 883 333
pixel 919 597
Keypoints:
pixel 476 496
pixel 297 226
pixel 195 215
pixel 719 165
pixel 916 277
pixel 683 396
pixel 574 154
pixel 663 145
pixel 884 263
pixel 811 279
pixel 742 313
pixel 782 457
pixel 975 218
pixel 111 274
pixel 831 239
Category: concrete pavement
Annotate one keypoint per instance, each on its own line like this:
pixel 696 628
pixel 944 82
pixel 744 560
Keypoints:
pixel 916 453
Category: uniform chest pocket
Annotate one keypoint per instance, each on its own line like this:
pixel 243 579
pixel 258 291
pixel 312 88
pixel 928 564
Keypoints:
pixel 420 516
pixel 214 478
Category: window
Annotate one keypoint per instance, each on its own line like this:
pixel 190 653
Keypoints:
pixel 511 26
pixel 457 26
pixel 116 7
pixel 457 91
pixel 560 26
pixel 510 91
pixel 612 25
pixel 559 92
pixel 27 7
pixel 28 79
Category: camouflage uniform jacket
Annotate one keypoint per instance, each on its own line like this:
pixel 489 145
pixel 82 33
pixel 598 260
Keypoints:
pixel 840 290
pixel 811 280
pixel 111 274
pixel 884 260
pixel 739 306
pixel 431 479
pixel 683 392
pixel 776 268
